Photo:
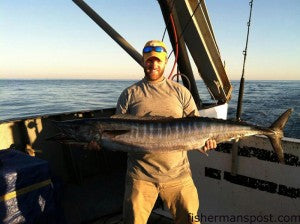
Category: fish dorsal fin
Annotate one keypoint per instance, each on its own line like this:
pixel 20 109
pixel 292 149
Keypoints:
pixel 124 116
pixel 146 117
pixel 157 118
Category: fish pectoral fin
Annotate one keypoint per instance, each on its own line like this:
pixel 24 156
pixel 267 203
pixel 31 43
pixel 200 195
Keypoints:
pixel 114 133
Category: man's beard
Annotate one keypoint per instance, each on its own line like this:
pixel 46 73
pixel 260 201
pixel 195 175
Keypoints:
pixel 153 77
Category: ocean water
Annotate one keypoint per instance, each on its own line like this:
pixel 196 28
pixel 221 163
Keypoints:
pixel 263 102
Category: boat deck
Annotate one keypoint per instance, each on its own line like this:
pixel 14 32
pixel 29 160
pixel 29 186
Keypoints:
pixel 117 219
pixel 98 198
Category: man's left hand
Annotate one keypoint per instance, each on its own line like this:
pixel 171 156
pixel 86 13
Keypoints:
pixel 210 144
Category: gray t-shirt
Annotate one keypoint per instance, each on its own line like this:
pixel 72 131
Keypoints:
pixel 164 98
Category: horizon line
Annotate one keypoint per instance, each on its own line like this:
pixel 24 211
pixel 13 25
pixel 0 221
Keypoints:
pixel 124 79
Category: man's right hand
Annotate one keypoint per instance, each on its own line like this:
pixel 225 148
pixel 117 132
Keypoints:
pixel 93 146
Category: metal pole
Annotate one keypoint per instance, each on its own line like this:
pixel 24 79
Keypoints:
pixel 183 59
pixel 110 31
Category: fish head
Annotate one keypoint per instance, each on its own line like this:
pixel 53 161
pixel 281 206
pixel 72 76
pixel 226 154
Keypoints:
pixel 79 130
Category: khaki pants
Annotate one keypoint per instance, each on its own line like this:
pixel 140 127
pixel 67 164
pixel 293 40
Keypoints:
pixel 180 196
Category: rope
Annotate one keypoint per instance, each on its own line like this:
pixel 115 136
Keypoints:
pixel 176 50
pixel 24 190
pixel 182 75
pixel 163 37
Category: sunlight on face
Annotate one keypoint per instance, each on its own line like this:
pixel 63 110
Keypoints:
pixel 154 69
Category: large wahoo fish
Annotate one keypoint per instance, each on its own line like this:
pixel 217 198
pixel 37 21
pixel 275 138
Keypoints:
pixel 156 134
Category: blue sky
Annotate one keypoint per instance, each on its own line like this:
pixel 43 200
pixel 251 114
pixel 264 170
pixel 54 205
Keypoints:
pixel 55 39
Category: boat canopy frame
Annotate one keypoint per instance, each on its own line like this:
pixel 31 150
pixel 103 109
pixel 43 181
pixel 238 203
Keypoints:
pixel 195 33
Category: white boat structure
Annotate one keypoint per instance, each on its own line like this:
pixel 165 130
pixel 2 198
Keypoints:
pixel 242 184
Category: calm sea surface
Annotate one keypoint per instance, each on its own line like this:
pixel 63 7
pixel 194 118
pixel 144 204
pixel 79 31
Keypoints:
pixel 264 101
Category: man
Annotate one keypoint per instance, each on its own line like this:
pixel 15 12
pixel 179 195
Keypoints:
pixel 164 174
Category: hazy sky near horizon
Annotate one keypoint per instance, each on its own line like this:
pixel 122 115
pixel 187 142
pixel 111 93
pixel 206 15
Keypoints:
pixel 55 39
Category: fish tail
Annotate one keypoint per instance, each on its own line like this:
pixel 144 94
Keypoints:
pixel 277 133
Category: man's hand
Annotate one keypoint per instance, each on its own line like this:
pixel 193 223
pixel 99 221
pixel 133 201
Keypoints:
pixel 93 146
pixel 210 144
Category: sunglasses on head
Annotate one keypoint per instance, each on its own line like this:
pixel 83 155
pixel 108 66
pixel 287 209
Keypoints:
pixel 158 49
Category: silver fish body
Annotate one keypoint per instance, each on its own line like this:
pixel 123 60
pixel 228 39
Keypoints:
pixel 150 135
